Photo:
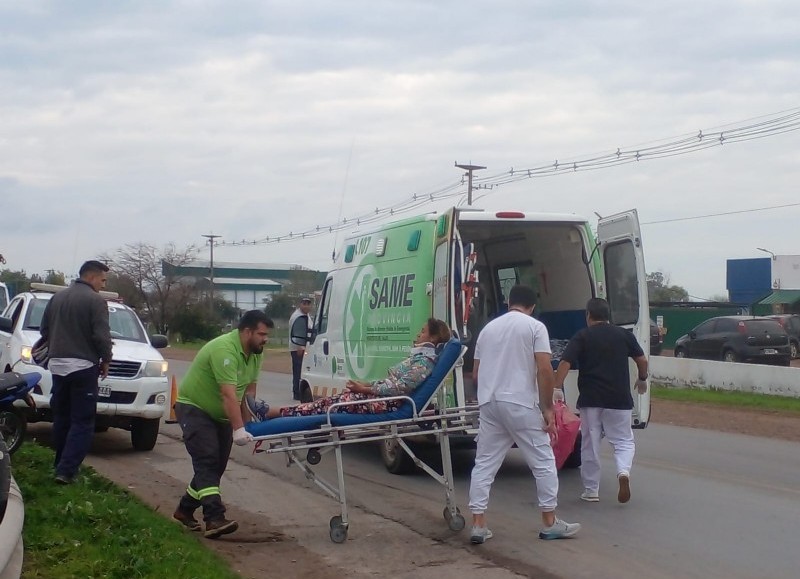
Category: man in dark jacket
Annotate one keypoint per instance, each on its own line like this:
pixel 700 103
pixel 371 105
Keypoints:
pixel 75 328
pixel 601 352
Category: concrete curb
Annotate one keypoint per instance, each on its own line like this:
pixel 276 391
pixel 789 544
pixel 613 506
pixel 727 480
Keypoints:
pixel 11 549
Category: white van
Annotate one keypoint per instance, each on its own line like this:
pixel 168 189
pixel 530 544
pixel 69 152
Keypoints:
pixel 459 266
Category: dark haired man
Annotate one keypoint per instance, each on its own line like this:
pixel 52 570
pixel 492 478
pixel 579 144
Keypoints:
pixel 75 328
pixel 601 352
pixel 515 395
pixel 210 411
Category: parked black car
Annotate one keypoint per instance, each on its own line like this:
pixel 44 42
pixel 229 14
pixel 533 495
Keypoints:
pixel 790 323
pixel 656 339
pixel 736 339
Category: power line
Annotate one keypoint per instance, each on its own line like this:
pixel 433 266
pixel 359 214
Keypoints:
pixel 720 214
pixel 749 129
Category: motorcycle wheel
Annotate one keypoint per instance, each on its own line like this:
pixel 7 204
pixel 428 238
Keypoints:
pixel 13 425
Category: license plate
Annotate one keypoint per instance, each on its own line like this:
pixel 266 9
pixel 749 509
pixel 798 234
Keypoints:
pixel 770 351
pixel 104 391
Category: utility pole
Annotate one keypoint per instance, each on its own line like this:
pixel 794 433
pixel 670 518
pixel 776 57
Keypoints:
pixel 211 237
pixel 469 169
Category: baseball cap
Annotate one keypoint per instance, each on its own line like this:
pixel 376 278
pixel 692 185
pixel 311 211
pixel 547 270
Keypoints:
pixel 305 300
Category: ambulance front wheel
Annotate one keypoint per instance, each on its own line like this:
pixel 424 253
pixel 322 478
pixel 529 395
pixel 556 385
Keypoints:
pixel 395 458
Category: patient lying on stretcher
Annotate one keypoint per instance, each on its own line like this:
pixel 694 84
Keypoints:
pixel 403 378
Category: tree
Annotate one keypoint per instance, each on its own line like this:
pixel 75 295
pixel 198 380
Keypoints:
pixel 722 298
pixel 281 306
pixel 660 290
pixel 162 296
pixel 17 281
pixel 55 277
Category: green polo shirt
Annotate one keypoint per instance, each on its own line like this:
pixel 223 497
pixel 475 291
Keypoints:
pixel 220 361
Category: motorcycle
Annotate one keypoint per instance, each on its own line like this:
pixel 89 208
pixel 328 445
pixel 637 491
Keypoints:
pixel 13 419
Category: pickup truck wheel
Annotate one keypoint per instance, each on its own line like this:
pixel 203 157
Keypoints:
pixel 395 459
pixel 144 432
pixel 729 356
pixel 793 350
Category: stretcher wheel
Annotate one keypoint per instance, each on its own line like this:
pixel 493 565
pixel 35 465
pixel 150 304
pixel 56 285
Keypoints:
pixel 338 530
pixel 457 522
pixel 313 456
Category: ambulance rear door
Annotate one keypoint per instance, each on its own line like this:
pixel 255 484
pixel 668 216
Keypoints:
pixel 621 250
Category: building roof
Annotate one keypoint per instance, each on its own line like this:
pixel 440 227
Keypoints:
pixel 786 296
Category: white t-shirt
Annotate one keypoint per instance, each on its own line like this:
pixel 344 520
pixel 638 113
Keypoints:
pixel 507 370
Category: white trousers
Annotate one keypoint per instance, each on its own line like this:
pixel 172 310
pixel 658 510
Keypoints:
pixel 616 424
pixel 501 425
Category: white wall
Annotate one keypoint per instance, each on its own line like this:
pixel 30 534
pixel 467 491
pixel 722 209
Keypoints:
pixel 709 375
pixel 786 271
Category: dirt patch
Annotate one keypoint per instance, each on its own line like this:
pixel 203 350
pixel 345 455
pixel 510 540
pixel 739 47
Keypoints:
pixel 766 423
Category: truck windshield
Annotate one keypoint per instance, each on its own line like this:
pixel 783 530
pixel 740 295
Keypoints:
pixel 124 323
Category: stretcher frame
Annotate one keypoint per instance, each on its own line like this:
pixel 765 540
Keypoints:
pixel 331 438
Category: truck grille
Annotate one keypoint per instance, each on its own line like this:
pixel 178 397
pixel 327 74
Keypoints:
pixel 123 369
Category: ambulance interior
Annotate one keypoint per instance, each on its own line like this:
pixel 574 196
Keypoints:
pixel 553 258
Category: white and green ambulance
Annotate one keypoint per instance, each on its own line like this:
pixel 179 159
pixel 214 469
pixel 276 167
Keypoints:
pixel 459 266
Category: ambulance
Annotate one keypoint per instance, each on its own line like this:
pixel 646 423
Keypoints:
pixel 459 265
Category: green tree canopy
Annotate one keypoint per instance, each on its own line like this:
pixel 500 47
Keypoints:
pixel 660 290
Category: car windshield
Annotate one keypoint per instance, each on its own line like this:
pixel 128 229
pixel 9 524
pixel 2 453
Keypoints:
pixel 124 323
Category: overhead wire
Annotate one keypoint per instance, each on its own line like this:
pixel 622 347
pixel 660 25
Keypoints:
pixel 766 126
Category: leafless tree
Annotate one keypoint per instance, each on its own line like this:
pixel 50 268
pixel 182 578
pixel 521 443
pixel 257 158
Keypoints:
pixel 162 295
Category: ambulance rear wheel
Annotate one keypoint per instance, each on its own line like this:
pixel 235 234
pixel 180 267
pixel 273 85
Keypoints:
pixel 395 459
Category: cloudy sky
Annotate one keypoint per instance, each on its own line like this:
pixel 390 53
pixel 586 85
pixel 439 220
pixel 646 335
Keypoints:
pixel 160 121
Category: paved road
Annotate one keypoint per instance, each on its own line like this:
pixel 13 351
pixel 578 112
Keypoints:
pixel 705 504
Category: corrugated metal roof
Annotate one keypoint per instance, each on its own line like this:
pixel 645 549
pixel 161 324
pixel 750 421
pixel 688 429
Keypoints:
pixel 782 297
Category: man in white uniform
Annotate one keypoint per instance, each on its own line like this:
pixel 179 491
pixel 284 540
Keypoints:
pixel 515 394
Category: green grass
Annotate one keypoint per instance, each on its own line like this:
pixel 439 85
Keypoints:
pixel 726 398
pixel 94 529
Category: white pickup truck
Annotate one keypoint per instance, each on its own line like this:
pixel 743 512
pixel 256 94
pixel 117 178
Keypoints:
pixel 136 391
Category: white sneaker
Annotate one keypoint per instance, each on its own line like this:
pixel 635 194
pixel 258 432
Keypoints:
pixel 590 496
pixel 480 535
pixel 559 530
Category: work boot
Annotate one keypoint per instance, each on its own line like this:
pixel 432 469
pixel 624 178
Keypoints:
pixel 305 393
pixel 218 527
pixel 187 520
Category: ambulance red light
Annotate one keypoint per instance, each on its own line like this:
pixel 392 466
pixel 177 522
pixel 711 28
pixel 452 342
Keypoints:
pixel 509 215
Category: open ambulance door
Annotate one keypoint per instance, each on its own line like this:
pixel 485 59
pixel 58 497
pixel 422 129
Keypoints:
pixel 620 242
pixel 448 295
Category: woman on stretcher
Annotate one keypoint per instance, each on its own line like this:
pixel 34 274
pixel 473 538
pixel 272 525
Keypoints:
pixel 403 378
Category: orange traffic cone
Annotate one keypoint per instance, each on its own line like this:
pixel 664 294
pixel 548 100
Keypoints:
pixel 173 397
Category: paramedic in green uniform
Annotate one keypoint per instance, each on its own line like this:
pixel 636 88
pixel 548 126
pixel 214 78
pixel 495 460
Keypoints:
pixel 209 410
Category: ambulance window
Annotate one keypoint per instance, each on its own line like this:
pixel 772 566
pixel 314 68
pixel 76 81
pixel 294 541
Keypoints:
pixel 622 283
pixel 508 277
pixel 324 308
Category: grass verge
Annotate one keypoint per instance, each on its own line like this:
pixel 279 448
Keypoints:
pixel 727 398
pixel 95 529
